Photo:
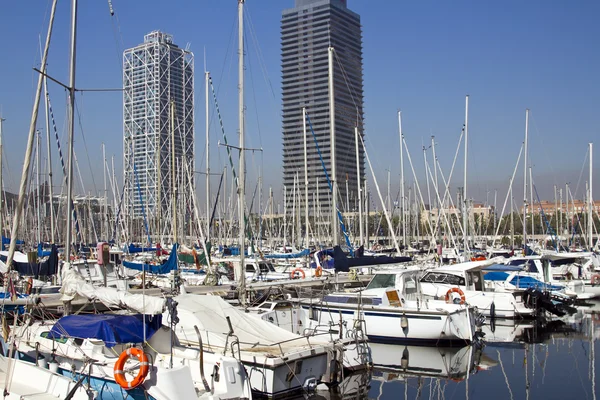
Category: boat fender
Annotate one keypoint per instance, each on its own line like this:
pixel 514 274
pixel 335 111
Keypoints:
pixel 119 371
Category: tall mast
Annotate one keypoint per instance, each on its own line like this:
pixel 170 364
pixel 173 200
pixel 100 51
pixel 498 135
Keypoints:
pixel 359 189
pixel 305 179
pixel 37 179
pixel 531 203
pixel 49 155
pixel 70 129
pixel 105 218
pixel 173 182
pixel 334 224
pixel 242 176
pixel 590 203
pixel 206 81
pixel 525 183
pixel 402 178
pixel 465 210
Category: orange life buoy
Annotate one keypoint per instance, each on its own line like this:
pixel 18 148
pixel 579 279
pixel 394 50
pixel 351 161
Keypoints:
pixel 455 290
pixel 119 372
pixel 319 272
pixel 595 279
pixel 478 258
pixel 293 273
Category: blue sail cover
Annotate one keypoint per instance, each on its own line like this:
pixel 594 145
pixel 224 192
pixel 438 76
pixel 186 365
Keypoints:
pixel 110 328
pixel 41 251
pixel 521 282
pixel 135 249
pixel 303 253
pixel 164 268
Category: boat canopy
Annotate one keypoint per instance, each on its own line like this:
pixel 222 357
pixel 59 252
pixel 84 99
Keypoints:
pixel 303 253
pixel 164 268
pixel 110 328
pixel 521 282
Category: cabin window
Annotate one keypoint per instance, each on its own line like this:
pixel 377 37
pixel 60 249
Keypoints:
pixel 440 277
pixel 380 281
pixel 263 268
pixel 61 340
pixel 250 268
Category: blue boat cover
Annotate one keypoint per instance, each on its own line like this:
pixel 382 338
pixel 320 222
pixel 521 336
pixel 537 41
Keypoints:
pixel 521 282
pixel 303 253
pixel 164 268
pixel 135 249
pixel 110 328
pixel 41 251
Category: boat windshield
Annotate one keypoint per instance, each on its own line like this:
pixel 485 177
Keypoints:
pixel 380 281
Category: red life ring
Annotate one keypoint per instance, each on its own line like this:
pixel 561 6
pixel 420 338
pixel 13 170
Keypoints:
pixel 595 279
pixel 119 372
pixel 293 273
pixel 455 290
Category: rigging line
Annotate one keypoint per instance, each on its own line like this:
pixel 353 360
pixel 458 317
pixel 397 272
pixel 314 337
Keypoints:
pixel 62 163
pixel 261 59
pixel 583 165
pixel 340 217
pixel 254 98
pixel 117 34
pixel 86 148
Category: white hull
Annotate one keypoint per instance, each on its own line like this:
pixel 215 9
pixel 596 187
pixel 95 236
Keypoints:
pixel 384 323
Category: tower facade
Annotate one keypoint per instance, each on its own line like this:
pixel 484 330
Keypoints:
pixel 158 132
pixel 307 32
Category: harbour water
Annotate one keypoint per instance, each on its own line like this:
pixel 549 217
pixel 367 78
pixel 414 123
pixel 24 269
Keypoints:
pixel 551 360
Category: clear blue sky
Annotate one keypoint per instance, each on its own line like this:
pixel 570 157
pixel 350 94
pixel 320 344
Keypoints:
pixel 419 56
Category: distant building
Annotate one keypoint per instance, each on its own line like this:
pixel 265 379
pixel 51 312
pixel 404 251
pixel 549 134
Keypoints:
pixel 307 31
pixel 158 102
pixel 477 211
pixel 550 207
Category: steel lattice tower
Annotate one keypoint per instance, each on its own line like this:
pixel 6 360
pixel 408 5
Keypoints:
pixel 158 78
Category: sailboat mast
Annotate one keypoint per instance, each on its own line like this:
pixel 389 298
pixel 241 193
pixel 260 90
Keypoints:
pixel 49 155
pixel 334 225
pixel 305 178
pixel 465 208
pixel 402 178
pixel 105 217
pixel 242 176
pixel 525 183
pixel 173 180
pixel 359 189
pixel 590 203
pixel 70 128
pixel 206 127
pixel 37 181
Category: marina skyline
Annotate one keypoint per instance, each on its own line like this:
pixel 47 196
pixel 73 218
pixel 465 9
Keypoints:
pixel 420 58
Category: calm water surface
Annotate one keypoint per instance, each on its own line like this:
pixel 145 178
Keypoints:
pixel 554 360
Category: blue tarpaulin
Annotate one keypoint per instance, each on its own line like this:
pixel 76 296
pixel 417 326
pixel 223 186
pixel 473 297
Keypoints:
pixel 135 249
pixel 521 282
pixel 41 251
pixel 303 253
pixel 110 328
pixel 164 268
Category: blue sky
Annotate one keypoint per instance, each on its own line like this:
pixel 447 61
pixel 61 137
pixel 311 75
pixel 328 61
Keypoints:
pixel 419 56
